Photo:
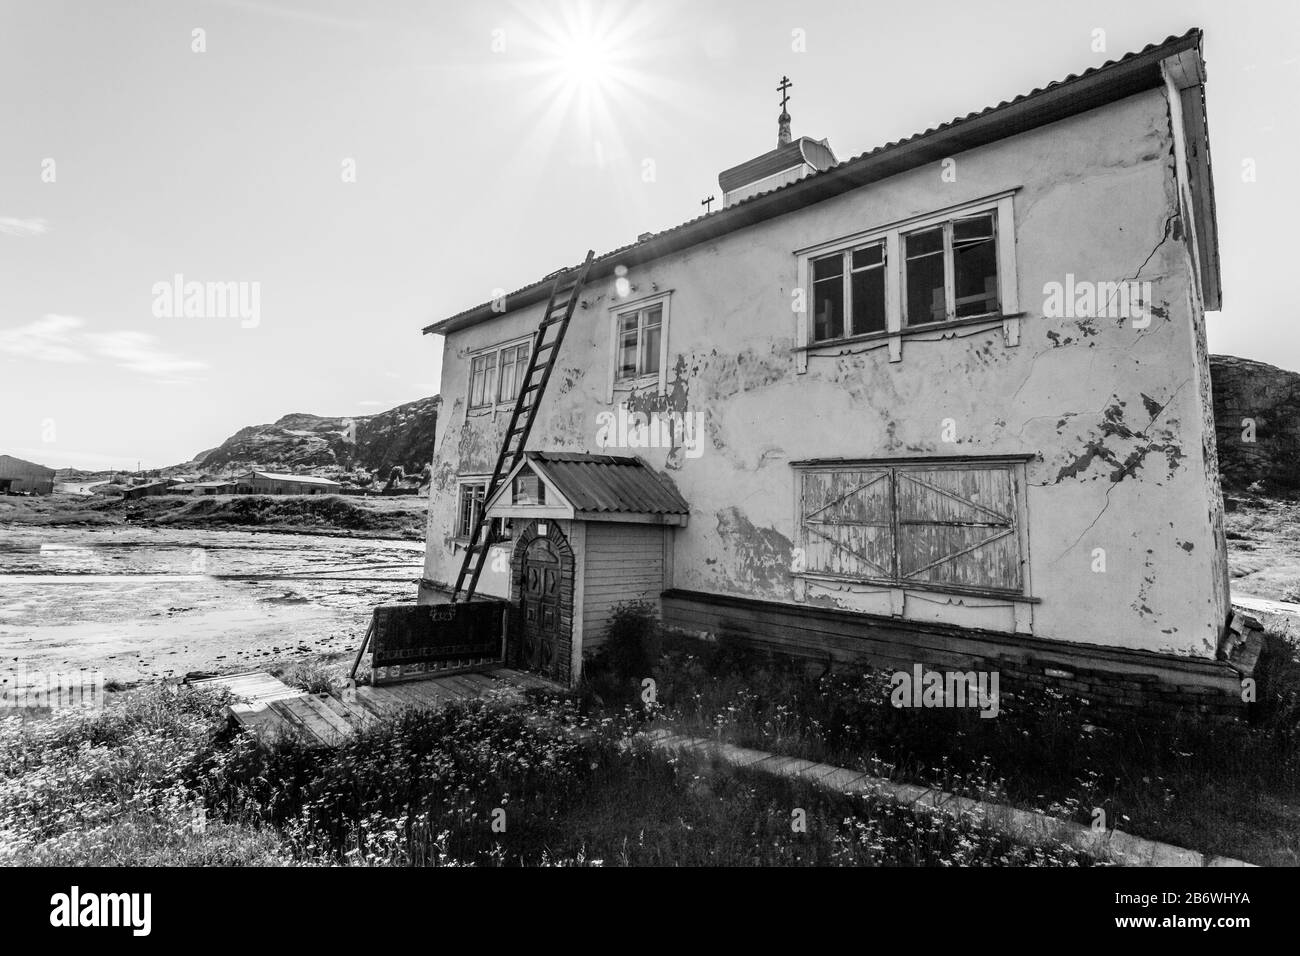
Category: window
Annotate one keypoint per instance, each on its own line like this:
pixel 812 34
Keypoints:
pixel 486 386
pixel 469 505
pixel 514 365
pixel 951 270
pixel 950 526
pixel 528 489
pixel 862 298
pixel 957 265
pixel 638 344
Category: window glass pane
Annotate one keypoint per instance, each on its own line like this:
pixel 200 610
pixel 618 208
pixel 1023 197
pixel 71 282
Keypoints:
pixel 477 378
pixel 923 252
pixel 507 376
pixel 975 266
pixel 627 323
pixel 828 297
pixel 650 340
pixel 870 256
pixel 521 367
pixel 828 267
pixel 868 301
pixel 627 355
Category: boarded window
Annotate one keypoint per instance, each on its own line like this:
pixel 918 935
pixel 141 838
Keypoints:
pixel 937 525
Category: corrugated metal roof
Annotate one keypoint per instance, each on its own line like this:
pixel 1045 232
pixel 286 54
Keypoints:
pixel 609 484
pixel 305 479
pixel 1076 93
pixel 795 153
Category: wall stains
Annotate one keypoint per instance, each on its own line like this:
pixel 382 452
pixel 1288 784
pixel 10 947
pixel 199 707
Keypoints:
pixel 762 555
pixel 1124 463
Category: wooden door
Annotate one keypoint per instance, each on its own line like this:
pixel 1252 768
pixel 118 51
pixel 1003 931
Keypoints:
pixel 540 600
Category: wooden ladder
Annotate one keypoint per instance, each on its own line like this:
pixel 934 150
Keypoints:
pixel 565 293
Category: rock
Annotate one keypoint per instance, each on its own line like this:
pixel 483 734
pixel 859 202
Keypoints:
pixel 1246 392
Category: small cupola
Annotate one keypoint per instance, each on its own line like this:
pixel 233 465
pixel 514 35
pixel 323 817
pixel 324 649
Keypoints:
pixel 792 159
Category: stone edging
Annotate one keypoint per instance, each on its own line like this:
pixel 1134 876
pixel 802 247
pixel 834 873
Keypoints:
pixel 1024 826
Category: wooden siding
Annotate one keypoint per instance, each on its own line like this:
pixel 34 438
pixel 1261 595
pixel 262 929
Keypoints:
pixel 622 562
pixel 1107 676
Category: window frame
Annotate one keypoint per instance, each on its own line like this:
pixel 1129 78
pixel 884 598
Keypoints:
pixel 891 234
pixel 497 531
pixel 1015 464
pixel 496 354
pixel 617 311
pixel 847 272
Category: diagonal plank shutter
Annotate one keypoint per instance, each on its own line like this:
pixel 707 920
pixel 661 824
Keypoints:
pixel 957 526
pixel 847 523
pixel 927 525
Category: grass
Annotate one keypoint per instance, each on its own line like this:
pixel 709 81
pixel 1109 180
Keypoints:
pixel 157 779
pixel 1226 789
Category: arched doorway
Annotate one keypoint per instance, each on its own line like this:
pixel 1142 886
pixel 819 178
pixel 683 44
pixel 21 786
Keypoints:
pixel 543 592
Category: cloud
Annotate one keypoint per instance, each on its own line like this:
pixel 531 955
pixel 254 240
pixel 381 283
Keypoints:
pixel 23 228
pixel 51 338
pixel 140 352
pixel 61 338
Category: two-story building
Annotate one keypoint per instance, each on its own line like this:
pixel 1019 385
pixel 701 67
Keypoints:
pixel 946 402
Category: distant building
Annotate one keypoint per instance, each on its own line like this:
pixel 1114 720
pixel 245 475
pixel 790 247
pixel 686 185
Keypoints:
pixel 19 477
pixel 269 483
pixel 223 486
pixel 151 489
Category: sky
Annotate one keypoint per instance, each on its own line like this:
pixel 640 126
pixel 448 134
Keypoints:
pixel 339 174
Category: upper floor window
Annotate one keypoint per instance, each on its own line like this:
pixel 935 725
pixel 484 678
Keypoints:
pixel 849 292
pixel 638 342
pixel 952 266
pixel 951 270
pixel 496 375
pixel 639 335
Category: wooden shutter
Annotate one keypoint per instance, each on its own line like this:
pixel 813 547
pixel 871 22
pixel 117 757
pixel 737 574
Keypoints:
pixel 846 523
pixel 957 526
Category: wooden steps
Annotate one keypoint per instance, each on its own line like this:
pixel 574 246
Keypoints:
pixel 271 710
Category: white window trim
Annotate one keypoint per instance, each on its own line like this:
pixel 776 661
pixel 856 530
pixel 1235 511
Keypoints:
pixel 659 379
pixel 1001 204
pixel 496 404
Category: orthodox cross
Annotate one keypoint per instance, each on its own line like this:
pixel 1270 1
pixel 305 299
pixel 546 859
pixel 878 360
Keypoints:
pixel 707 204
pixel 783 90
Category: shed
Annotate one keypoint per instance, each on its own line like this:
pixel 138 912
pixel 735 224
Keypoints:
pixel 274 483
pixel 589 532
pixel 24 477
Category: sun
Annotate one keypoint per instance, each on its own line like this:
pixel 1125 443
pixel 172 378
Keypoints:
pixel 586 59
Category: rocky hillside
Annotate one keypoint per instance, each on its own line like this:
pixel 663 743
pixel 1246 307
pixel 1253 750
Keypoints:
pixel 1254 400
pixel 318 445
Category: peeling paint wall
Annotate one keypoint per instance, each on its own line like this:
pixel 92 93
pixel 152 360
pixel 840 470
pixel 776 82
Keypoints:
pixel 1116 417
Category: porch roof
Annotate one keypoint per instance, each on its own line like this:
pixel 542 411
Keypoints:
pixel 602 486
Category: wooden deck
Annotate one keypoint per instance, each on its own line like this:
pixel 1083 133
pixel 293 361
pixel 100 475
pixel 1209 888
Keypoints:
pixel 271 710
